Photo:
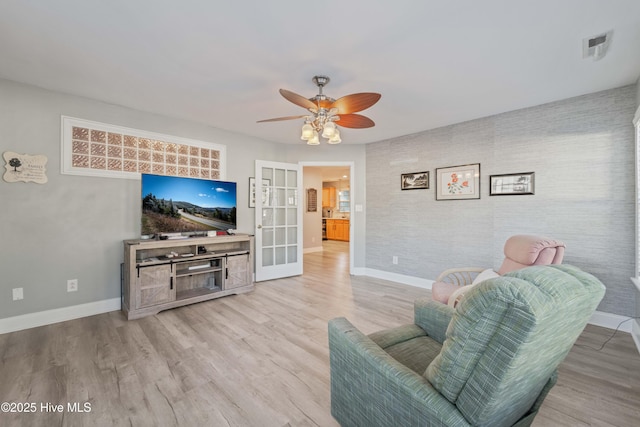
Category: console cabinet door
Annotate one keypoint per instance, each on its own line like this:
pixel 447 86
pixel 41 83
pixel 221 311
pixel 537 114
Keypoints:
pixel 154 285
pixel 238 271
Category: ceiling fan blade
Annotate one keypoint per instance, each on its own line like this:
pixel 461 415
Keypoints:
pixel 277 119
pixel 356 102
pixel 297 99
pixel 355 121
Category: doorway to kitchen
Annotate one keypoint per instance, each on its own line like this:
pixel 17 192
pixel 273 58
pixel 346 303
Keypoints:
pixel 329 223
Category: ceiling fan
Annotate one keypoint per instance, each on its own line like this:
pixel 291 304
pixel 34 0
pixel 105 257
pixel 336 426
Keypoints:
pixel 327 113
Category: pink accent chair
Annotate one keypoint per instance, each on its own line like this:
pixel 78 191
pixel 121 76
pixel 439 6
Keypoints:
pixel 520 251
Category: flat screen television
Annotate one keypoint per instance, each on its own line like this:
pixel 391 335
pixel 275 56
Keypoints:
pixel 174 205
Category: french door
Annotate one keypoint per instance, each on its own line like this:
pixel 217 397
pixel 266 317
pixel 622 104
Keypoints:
pixel 278 220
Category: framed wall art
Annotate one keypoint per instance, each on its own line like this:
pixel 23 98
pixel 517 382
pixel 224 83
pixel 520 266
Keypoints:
pixel 25 167
pixel 414 181
pixel 252 191
pixel 512 184
pixel 312 200
pixel 458 182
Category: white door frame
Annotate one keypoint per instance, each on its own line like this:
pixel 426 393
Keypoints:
pixel 352 217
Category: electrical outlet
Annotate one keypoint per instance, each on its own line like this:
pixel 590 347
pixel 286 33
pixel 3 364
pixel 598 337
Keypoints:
pixel 395 259
pixel 17 294
pixel 72 285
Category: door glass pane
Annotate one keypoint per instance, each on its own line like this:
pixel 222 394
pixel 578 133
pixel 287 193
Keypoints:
pixel 292 178
pixel 292 252
pixel 267 236
pixel 267 256
pixel 292 235
pixel 280 216
pixel 292 216
pixel 292 197
pixel 267 196
pixel 267 217
pixel 267 173
pixel 281 255
pixel 279 199
pixel 279 178
pixel 280 236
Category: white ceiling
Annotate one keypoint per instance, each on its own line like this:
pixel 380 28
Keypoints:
pixel 331 173
pixel 221 63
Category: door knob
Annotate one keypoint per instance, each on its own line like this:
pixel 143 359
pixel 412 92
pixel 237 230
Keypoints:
pixel 259 226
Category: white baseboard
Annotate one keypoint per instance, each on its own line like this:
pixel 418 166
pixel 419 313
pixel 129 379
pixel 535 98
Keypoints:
pixel 599 318
pixel 315 249
pixel 635 333
pixel 359 271
pixel 48 317
pixel 395 277
pixel 611 321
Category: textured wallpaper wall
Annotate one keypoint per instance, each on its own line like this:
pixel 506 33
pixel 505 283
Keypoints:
pixel 582 153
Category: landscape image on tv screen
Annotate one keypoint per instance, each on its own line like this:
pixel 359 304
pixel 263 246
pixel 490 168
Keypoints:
pixel 180 205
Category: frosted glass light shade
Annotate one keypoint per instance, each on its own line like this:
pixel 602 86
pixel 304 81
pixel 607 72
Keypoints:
pixel 307 132
pixel 329 130
pixel 335 139
pixel 314 140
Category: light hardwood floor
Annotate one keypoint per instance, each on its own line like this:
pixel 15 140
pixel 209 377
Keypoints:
pixel 260 359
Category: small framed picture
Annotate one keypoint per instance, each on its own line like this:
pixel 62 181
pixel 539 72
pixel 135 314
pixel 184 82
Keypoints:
pixel 414 181
pixel 512 184
pixel 458 182
pixel 312 200
pixel 252 191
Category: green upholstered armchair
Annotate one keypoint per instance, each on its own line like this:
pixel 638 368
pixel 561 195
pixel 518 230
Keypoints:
pixel 489 362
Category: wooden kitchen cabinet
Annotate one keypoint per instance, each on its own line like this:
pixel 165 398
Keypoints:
pixel 338 229
pixel 329 197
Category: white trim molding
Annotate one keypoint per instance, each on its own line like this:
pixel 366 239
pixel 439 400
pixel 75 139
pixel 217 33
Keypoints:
pixel 395 277
pixel 314 249
pixel 48 317
pixel 599 318
pixel 635 333
pixel 354 220
pixel 611 321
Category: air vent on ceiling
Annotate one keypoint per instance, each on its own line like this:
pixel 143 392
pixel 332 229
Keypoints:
pixel 596 47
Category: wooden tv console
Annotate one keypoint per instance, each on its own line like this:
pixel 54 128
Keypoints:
pixel 163 274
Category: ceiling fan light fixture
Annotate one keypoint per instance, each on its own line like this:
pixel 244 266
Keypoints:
pixel 307 132
pixel 335 139
pixel 329 130
pixel 315 139
pixel 326 110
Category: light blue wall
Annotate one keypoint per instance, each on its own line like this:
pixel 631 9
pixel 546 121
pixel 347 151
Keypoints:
pixel 72 227
pixel 581 151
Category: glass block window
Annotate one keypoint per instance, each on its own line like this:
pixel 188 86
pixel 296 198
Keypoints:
pixel 100 149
